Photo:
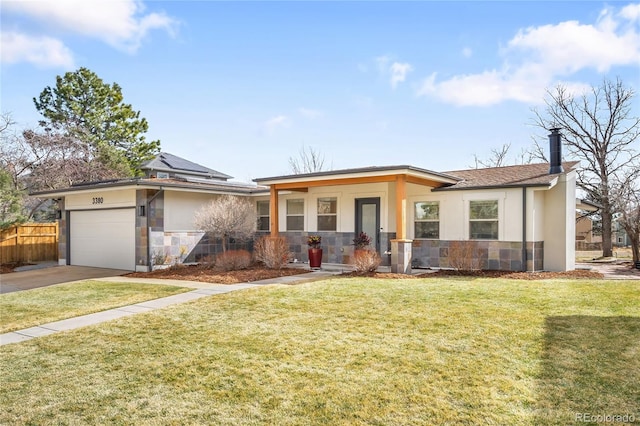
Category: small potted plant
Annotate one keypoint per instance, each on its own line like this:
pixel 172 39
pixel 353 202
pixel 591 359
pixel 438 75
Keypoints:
pixel 361 241
pixel 315 252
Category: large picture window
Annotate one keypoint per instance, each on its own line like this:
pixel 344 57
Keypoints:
pixel 427 220
pixel 327 214
pixel 263 215
pixel 295 215
pixel 483 220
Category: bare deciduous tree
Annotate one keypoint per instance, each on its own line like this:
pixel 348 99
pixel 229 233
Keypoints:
pixel 36 161
pixel 308 161
pixel 6 121
pixel 499 157
pixel 227 217
pixel 599 130
pixel 626 199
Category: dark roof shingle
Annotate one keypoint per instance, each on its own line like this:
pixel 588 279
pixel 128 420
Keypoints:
pixel 509 176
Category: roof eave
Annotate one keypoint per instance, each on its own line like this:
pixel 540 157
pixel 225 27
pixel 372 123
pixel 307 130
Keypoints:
pixel 149 184
pixel 480 187
pixel 360 172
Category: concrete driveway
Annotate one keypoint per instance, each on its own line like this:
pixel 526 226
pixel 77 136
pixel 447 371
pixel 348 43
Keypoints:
pixel 25 280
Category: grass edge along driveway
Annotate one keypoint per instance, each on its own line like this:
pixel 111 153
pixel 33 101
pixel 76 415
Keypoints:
pixel 23 309
pixel 344 351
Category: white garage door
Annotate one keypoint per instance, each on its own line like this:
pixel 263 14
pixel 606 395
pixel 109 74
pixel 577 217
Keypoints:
pixel 103 238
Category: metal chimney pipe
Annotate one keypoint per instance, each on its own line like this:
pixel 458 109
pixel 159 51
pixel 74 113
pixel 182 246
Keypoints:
pixel 555 152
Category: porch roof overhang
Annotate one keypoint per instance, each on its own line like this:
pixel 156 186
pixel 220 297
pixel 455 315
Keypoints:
pixel 302 182
pixel 399 175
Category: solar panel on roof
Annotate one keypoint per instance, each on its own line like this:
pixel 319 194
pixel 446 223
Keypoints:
pixel 182 164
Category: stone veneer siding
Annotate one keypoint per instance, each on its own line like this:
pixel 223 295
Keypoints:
pixel 493 255
pixel 196 246
pixel 63 233
pixel 188 247
pixel 142 239
pixel 337 247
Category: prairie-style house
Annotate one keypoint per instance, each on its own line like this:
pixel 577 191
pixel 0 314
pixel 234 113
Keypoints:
pixel 516 217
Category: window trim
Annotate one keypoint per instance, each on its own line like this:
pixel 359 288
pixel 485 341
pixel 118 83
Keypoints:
pixel 318 215
pixel 496 220
pixel 416 220
pixel 287 214
pixel 261 216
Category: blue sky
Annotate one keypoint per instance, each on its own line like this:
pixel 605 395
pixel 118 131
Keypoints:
pixel 242 86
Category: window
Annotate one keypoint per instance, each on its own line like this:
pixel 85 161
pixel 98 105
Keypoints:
pixel 263 215
pixel 295 215
pixel 427 220
pixel 483 220
pixel 327 214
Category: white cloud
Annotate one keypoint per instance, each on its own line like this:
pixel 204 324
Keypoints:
pixel 276 122
pixel 39 50
pixel 121 24
pixel 631 12
pixel 310 113
pixel 537 57
pixel 399 72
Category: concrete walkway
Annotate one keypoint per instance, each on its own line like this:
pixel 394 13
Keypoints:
pixel 612 270
pixel 201 290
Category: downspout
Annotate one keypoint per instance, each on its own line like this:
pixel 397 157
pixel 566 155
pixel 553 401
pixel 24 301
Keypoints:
pixel 148 207
pixel 524 229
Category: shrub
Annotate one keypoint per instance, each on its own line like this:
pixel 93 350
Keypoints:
pixel 207 262
pixel 233 260
pixel 361 241
pixel 366 261
pixel 227 217
pixel 273 252
pixel 463 256
pixel 177 266
pixel 159 258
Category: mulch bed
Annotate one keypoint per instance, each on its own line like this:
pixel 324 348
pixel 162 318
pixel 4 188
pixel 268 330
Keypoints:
pixel 209 275
pixel 256 273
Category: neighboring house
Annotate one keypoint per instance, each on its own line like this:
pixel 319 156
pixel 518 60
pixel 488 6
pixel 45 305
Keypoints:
pixel 584 223
pixel 516 217
pixel 619 237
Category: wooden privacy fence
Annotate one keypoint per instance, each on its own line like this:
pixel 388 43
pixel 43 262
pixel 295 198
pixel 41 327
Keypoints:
pixel 29 242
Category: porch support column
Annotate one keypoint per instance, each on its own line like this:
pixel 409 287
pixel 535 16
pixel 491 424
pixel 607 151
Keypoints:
pixel 273 211
pixel 401 252
pixel 401 207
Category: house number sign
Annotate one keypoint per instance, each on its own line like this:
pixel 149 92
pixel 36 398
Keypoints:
pixel 97 200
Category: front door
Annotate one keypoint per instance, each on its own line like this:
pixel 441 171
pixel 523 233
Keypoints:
pixel 368 219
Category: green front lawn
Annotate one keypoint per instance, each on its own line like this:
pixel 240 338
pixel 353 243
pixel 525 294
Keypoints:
pixel 24 309
pixel 344 351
